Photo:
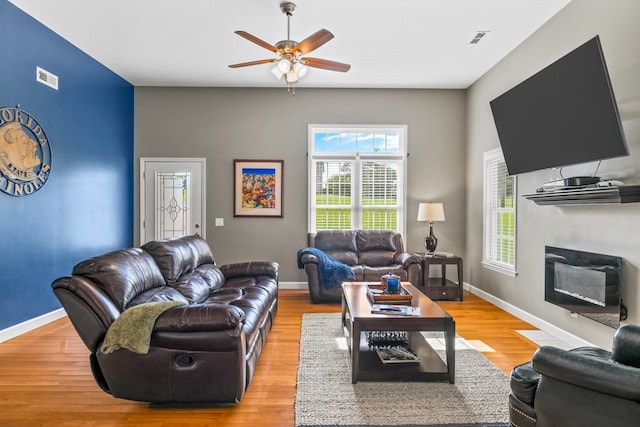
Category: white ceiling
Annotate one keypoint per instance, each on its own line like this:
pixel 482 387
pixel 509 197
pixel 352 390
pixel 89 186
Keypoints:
pixel 389 44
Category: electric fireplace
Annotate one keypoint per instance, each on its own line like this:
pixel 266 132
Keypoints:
pixel 585 283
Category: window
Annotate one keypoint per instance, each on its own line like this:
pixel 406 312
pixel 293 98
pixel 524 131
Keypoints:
pixel 499 252
pixel 356 178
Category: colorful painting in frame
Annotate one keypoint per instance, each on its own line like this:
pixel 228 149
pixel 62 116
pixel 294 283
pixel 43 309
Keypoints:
pixel 257 188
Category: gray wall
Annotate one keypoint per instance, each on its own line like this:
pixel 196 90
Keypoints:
pixel 223 124
pixel 609 229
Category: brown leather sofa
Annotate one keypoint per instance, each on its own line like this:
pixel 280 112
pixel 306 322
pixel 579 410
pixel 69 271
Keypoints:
pixel 586 386
pixel 370 253
pixel 203 351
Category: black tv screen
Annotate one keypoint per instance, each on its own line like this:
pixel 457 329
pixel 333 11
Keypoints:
pixel 563 115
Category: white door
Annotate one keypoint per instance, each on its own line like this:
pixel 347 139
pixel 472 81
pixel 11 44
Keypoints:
pixel 172 197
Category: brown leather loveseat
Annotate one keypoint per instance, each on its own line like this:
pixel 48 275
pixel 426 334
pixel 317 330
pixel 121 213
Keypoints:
pixel 370 253
pixel 205 349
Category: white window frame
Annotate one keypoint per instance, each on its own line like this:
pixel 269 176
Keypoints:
pixel 357 158
pixel 492 160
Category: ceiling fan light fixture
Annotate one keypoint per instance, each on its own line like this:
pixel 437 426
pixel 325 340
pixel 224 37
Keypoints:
pixel 291 77
pixel 290 60
pixel 284 65
pixel 276 72
pixel 300 69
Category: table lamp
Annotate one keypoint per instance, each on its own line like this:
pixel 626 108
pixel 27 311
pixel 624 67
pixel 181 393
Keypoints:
pixel 431 212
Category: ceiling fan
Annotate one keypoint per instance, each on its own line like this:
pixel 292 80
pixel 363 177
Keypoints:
pixel 291 64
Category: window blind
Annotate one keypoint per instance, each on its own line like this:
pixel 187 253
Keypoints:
pixel 499 214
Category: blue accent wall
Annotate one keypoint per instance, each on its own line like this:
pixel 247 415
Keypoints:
pixel 86 206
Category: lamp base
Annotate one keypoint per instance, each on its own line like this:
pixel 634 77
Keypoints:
pixel 431 241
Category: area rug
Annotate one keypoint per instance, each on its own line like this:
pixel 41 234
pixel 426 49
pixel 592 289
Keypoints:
pixel 326 397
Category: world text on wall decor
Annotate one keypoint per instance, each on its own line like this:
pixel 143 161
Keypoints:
pixel 25 153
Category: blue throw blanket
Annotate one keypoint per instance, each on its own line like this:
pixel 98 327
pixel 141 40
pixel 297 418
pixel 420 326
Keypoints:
pixel 331 272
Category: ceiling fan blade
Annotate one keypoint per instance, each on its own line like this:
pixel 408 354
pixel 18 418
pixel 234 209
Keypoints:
pixel 326 64
pixel 258 62
pixel 313 42
pixel 257 41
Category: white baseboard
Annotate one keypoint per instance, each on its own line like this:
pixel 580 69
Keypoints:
pixel 293 285
pixel 31 324
pixel 543 325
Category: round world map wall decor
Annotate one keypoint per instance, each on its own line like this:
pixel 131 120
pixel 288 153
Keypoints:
pixel 25 153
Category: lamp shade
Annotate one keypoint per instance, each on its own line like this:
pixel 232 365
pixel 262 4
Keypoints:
pixel 431 212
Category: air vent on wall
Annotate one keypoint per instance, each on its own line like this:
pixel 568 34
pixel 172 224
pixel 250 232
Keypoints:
pixel 45 77
pixel 479 35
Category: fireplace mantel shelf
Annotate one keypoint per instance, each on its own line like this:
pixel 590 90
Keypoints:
pixel 587 195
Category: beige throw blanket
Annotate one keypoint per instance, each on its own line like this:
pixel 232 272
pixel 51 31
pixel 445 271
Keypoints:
pixel 132 330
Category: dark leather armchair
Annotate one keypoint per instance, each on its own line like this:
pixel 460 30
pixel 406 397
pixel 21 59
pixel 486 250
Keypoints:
pixel 583 387
pixel 370 253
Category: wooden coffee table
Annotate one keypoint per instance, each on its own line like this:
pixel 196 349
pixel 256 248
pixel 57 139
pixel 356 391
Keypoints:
pixel 365 363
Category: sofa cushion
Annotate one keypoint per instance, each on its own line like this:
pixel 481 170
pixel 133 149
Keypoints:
pixel 122 274
pixel 338 244
pixel 193 286
pixel 212 275
pixel 358 271
pixel 162 293
pixel 179 255
pixel 376 258
pixel 200 248
pixel 199 283
pixel 224 296
pixel 201 317
pixel 375 240
pixel 375 247
pixel 257 296
pixel 173 257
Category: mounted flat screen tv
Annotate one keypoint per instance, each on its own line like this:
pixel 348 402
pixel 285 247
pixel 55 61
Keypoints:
pixel 563 115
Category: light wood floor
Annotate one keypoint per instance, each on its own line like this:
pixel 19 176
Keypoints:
pixel 45 378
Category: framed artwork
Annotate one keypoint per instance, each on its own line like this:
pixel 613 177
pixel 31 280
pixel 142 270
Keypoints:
pixel 257 188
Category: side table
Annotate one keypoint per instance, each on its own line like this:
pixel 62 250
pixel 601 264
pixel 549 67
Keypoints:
pixel 441 288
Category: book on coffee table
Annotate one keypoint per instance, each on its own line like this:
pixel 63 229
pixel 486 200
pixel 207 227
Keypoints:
pixel 391 355
pixel 395 310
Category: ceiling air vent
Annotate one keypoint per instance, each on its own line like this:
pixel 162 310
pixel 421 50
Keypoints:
pixel 45 77
pixel 479 35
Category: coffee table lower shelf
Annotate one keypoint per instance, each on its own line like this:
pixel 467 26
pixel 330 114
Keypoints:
pixel 357 319
pixel 370 368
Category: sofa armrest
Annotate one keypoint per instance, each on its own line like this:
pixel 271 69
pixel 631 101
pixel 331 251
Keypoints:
pixel 626 345
pixel 588 371
pixel 205 317
pixel 309 259
pixel 406 259
pixel 253 268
